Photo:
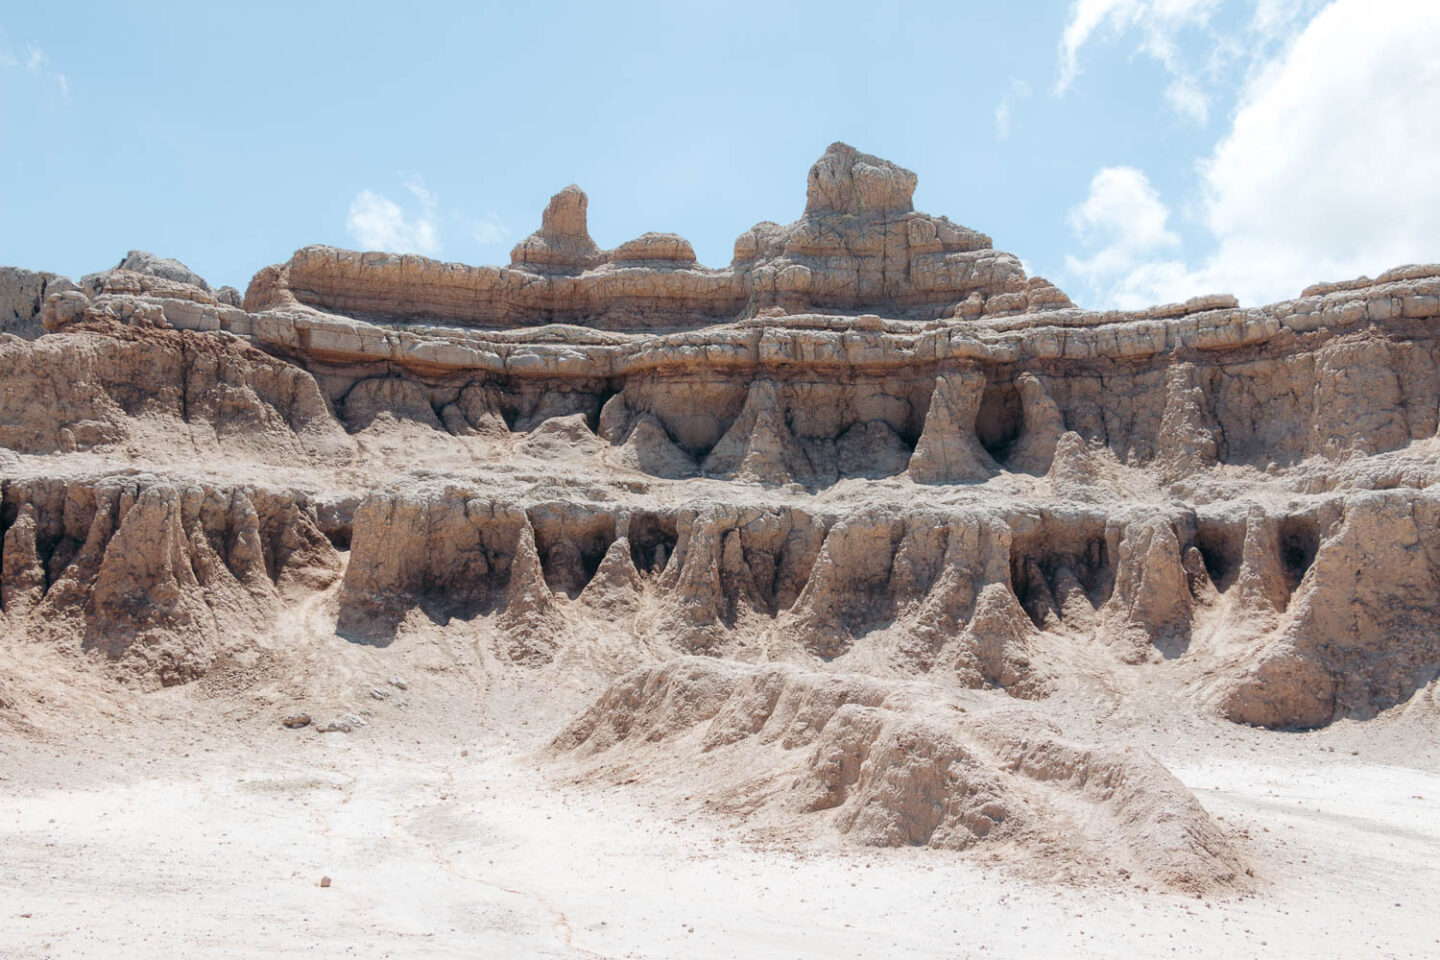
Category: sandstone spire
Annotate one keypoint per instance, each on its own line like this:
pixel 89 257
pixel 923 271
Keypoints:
pixel 563 240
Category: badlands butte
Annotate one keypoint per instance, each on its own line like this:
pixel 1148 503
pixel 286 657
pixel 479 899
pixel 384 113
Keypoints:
pixel 856 540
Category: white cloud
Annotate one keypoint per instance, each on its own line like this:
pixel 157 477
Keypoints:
pixel 1015 90
pixel 1127 225
pixel 1327 172
pixel 416 185
pixel 1329 169
pixel 1086 16
pixel 1187 99
pixel 1282 18
pixel 378 223
pixel 1125 211
pixel 489 229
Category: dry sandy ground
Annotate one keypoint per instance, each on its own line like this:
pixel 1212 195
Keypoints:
pixel 185 839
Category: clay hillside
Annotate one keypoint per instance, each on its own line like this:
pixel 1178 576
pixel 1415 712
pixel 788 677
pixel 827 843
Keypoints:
pixel 856 540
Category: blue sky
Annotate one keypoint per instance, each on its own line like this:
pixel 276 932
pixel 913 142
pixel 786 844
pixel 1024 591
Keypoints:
pixel 1132 151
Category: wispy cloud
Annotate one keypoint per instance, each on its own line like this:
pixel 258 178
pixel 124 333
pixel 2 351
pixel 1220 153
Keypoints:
pixel 1171 31
pixel 1015 90
pixel 489 229
pixel 1160 26
pixel 378 223
pixel 37 64
pixel 1086 16
pixel 1187 99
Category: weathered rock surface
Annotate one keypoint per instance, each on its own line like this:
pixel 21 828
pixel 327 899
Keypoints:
pixel 146 263
pixel 881 765
pixel 563 241
pixel 1360 629
pixel 22 293
pixel 858 244
pixel 966 373
pixel 155 577
pixel 870 459
pixel 100 383
pixel 949 449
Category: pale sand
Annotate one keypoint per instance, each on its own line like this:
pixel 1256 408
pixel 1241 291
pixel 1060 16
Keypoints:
pixel 151 840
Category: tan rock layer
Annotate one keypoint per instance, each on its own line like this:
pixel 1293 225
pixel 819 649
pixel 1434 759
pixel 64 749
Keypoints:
pixel 86 388
pixel 1359 631
pixel 156 578
pixel 975 373
pixel 153 575
pixel 859 244
pixel 83 389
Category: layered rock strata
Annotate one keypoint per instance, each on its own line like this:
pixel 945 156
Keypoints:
pixel 871 443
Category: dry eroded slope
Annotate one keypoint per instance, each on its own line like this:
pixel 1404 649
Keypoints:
pixel 870 453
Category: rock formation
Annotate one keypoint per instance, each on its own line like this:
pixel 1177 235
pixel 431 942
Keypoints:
pixel 885 767
pixel 155 577
pixel 870 446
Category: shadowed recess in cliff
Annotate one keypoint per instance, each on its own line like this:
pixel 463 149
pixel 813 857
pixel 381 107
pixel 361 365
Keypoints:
pixel 571 542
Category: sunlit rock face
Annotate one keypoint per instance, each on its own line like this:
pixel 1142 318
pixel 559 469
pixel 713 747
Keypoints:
pixel 869 443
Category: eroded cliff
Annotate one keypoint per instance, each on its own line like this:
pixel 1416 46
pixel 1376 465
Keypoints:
pixel 871 445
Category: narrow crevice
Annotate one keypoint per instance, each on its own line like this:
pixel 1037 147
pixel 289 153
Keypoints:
pixel 54 554
pixel 570 546
pixel 1000 419
pixel 1096 571
pixel 222 537
pixel 509 405
pixel 1033 588
pixel 336 520
pixel 1222 547
pixel 1299 542
pixel 8 512
pixel 867 604
pixel 7 518
pixel 765 574
pixel 1076 544
pixel 652 541
pixel 339 536
pixel 609 390
pixel 1037 584
pixel 437 410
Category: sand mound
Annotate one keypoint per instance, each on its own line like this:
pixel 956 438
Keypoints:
pixel 795 752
